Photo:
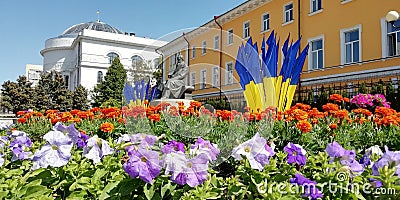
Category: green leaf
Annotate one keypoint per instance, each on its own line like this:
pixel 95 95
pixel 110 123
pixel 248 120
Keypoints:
pixel 36 191
pixel 167 187
pixel 107 189
pixel 81 194
pixel 149 193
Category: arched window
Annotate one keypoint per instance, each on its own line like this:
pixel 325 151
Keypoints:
pixel 111 56
pixel 137 61
pixel 99 76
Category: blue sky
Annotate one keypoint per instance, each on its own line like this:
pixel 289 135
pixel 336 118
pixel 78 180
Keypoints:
pixel 26 24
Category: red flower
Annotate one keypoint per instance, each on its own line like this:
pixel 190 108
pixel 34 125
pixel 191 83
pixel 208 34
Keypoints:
pixel 304 126
pixel 107 127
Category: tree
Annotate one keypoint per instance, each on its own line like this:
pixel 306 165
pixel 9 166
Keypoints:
pixel 80 98
pixel 62 96
pixel 17 96
pixel 112 86
pixel 8 90
pixel 52 93
pixel 42 99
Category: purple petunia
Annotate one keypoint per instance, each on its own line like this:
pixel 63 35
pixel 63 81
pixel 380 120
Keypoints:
pixel 20 147
pixel 205 146
pixel 55 153
pixel 173 146
pixel 309 187
pixel 193 171
pixel 139 140
pixel 256 150
pixel 389 158
pixel 76 136
pixel 96 149
pixel 346 157
pixel 296 154
pixel 143 163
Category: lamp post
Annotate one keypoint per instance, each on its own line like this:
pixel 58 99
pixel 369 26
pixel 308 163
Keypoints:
pixel 392 17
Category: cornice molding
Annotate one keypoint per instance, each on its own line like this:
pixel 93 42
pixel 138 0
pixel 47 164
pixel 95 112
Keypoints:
pixel 222 19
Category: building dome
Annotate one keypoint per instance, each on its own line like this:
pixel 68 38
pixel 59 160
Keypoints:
pixel 97 26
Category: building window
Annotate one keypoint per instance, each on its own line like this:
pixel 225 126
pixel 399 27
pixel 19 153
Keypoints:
pixel 315 5
pixel 265 22
pixel 204 47
pixel 203 79
pixel 230 36
pixel 216 42
pixel 316 60
pixel 246 30
pixel 288 12
pixel 393 38
pixel 193 52
pixel 99 76
pixel 229 73
pixel 111 56
pixel 66 80
pixel 215 75
pixel 193 79
pixel 137 61
pixel 351 45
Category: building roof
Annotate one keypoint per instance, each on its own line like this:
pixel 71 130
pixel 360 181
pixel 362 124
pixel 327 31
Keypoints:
pixel 97 26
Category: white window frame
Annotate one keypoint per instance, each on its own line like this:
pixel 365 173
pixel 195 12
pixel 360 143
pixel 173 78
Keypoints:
pixel 216 42
pixel 229 38
pixel 193 51
pixel 311 7
pixel 385 41
pixel 228 73
pixel 203 78
pixel 193 79
pixel 215 76
pixel 203 47
pixel 246 30
pixel 343 47
pixel 310 41
pixel 286 21
pixel 268 22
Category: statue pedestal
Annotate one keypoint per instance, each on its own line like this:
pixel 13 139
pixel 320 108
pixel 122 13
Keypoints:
pixel 173 102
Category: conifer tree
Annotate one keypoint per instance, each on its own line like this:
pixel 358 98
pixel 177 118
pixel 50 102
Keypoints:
pixel 62 96
pixel 80 98
pixel 43 90
pixel 8 91
pixel 17 96
pixel 112 86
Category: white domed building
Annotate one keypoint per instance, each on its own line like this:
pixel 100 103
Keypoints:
pixel 83 53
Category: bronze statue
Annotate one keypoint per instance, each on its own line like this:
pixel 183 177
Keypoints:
pixel 176 83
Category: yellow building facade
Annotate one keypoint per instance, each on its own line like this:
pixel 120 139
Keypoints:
pixel 350 42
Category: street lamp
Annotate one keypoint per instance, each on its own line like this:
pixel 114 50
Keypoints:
pixel 392 17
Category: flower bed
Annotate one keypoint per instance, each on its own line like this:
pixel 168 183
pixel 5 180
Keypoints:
pixel 169 152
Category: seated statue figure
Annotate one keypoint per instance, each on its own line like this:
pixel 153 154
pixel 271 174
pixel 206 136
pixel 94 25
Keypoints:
pixel 176 83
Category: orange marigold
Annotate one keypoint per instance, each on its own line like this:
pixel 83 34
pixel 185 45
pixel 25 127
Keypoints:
pixel 336 97
pixel 330 107
pixel 195 104
pixel 299 114
pixel 107 127
pixel 333 126
pixel 341 114
pixel 155 117
pixel 304 126
pixel 21 120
